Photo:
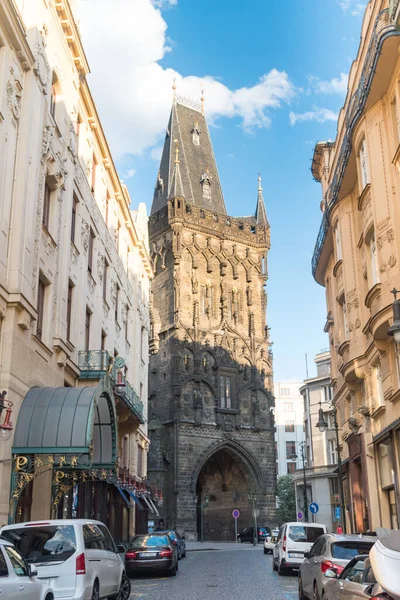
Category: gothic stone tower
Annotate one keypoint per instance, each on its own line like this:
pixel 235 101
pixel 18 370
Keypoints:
pixel 210 420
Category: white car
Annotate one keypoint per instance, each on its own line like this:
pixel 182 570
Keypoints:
pixel 18 579
pixel 77 558
pixel 270 541
pixel 293 541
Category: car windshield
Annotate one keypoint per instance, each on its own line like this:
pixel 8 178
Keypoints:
pixel 44 543
pixel 146 541
pixel 299 533
pixel 347 550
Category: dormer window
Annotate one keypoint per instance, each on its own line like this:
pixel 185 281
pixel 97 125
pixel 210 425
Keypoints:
pixel 196 134
pixel 159 185
pixel 206 181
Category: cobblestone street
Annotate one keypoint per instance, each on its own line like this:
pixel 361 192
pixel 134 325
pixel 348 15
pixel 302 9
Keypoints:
pixel 244 573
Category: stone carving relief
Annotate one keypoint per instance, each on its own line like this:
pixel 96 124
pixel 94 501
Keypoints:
pixel 100 266
pixel 48 134
pixel 13 100
pixel 41 68
pixel 85 232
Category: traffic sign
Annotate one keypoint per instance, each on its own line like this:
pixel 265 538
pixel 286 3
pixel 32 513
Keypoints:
pixel 300 515
pixel 235 513
pixel 337 513
pixel 314 508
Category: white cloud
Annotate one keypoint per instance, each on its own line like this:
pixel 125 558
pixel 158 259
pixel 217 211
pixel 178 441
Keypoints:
pixel 130 173
pixel 336 85
pixel 355 7
pixel 320 115
pixel 156 153
pixel 125 45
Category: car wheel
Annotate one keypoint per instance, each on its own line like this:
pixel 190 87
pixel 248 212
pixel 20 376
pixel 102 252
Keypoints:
pixel 177 565
pixel 95 591
pixel 173 570
pixel 125 588
pixel 301 593
pixel 265 551
pixel 184 554
pixel 281 569
pixel 241 541
pixel 274 567
pixel 315 592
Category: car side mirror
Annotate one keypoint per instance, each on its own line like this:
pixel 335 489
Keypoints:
pixel 307 554
pixel 330 573
pixel 32 571
pixel 120 549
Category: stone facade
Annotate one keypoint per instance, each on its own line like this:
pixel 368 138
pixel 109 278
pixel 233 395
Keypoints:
pixel 211 425
pixel 74 264
pixel 356 259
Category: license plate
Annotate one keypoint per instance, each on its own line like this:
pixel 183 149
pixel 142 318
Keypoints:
pixel 148 554
pixel 296 555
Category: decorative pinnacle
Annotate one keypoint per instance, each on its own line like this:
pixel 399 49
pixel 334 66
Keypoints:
pixel 174 89
pixel 259 182
pixel 202 101
pixel 394 292
pixel 176 152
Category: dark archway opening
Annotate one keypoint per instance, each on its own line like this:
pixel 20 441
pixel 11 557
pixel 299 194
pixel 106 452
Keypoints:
pixel 222 486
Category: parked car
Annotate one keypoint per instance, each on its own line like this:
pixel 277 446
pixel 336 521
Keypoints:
pixel 247 535
pixel 293 541
pixel 76 557
pixel 330 552
pixel 178 541
pixel 18 579
pixel 153 552
pixel 270 541
pixel 355 582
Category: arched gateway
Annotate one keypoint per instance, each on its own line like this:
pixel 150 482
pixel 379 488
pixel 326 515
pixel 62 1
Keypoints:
pixel 222 481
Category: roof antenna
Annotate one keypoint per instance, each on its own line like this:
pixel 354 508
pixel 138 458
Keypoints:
pixel 174 90
pixel 202 102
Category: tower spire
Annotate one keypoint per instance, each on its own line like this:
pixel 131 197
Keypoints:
pixel 174 90
pixel 202 101
pixel 261 213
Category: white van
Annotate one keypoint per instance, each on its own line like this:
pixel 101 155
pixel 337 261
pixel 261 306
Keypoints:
pixel 294 540
pixel 77 558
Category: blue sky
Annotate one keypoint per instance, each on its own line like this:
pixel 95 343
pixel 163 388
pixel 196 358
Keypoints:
pixel 274 76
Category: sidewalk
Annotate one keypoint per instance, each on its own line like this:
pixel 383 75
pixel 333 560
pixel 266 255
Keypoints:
pixel 198 546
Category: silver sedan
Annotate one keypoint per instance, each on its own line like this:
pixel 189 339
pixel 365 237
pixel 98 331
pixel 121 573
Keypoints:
pixel 329 552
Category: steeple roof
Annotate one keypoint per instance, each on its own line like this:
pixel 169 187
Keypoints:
pixel 261 213
pixel 176 188
pixel 196 178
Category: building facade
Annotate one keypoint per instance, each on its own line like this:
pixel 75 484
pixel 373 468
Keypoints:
pixel 211 425
pixel 356 258
pixel 74 288
pixel 289 413
pixel 320 450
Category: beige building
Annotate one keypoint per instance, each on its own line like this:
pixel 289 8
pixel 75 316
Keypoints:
pixel 74 288
pixel 320 453
pixel 357 258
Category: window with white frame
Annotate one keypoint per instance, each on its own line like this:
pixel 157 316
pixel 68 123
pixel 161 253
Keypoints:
pixel 287 407
pixel 364 167
pixel 378 384
pixel 338 242
pixel 332 452
pixel 327 393
pixel 373 259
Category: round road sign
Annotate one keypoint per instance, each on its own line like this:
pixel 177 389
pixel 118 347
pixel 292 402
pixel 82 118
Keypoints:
pixel 314 508
pixel 300 515
pixel 235 513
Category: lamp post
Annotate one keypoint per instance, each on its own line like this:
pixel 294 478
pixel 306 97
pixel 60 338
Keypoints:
pixel 293 457
pixel 203 505
pixel 253 498
pixel 323 426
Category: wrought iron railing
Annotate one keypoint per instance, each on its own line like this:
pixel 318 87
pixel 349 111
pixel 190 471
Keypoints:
pixel 99 363
pixel 382 28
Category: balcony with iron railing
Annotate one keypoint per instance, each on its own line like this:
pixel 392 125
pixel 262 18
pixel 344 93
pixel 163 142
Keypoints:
pixel 95 364
pixel 384 27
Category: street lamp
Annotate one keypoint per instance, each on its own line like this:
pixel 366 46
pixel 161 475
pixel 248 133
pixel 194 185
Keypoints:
pixel 293 457
pixel 394 330
pixel 203 505
pixel 323 426
pixel 253 498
